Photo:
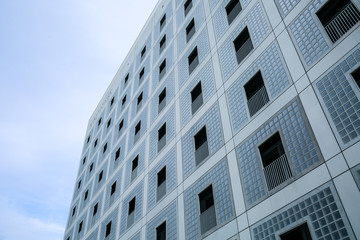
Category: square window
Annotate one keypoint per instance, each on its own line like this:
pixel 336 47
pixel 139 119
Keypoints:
pixel 162 69
pixel 162 44
pixel 256 93
pixel 123 100
pixel 275 164
pixel 193 60
pixel 207 210
pixel 196 98
pixel 95 209
pixel 187 7
pixel 162 100
pixel 338 17
pixel 356 76
pixel 190 30
pixel 162 137
pixel 243 45
pixel 162 22
pixel 161 231
pixel 143 53
pixel 299 233
pixel 201 146
pixel 108 229
pixel 161 184
pixel 233 9
pixel 113 188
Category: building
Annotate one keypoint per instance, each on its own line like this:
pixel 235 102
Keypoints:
pixel 228 120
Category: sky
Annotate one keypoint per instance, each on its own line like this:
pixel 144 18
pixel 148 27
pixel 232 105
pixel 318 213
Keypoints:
pixel 57 58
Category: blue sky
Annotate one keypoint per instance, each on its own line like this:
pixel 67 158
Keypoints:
pixel 56 60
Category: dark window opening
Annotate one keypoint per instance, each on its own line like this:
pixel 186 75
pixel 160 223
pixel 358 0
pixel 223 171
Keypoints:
pixel 201 146
pixel 187 6
pixel 299 233
pixel 162 69
pixel 161 231
pixel 190 30
pixel 105 148
pixel 162 137
pixel 79 184
pixel 126 78
pixel 139 99
pixel 121 124
pixel 243 45
pixel 338 17
pixel 68 238
pixel 91 167
pixel 86 195
pixel 95 143
pixel 74 210
pixel 132 206
pixel 99 122
pixel 88 139
pixel 196 98
pixel 161 176
pixel 356 76
pixel 117 154
pixel 131 213
pixel 95 209
pixel 141 74
pixel 276 167
pixel 108 229
pixel 123 100
pixel 162 22
pixel 193 60
pixel 233 8
pixel 207 210
pixel 113 188
pixel 108 123
pixel 162 43
pixel 137 127
pixel 84 160
pixel 162 100
pixel 256 93
pixel 80 226
pixel 100 176
pixel 112 101
pixel 135 163
pixel 143 52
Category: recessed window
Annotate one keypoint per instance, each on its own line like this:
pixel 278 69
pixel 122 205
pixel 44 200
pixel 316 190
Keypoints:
pixel 121 124
pixel 100 176
pixel 143 51
pixel 162 22
pixel 162 43
pixel 338 17
pixel 80 226
pixel 256 93
pixel 299 233
pixel 162 69
pixel 108 229
pixel 105 148
pixel 193 60
pixel 131 212
pixel 99 122
pixel 275 164
pixel 196 98
pixel 123 100
pixel 161 183
pixel 137 131
pixel 91 167
pixel 162 100
pixel 356 76
pixel 161 137
pixel 84 160
pixel 95 143
pixel 187 6
pixel 233 8
pixel 74 210
pixel 207 210
pixel 113 188
pixel 243 45
pixel 88 139
pixel 126 79
pixel 79 184
pixel 117 154
pixel 134 167
pixel 112 101
pixel 141 74
pixel 201 146
pixel 161 231
pixel 86 195
pixel 139 102
pixel 108 123
pixel 68 238
pixel 190 30
pixel 95 209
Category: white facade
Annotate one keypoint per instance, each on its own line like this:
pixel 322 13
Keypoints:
pixel 228 120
